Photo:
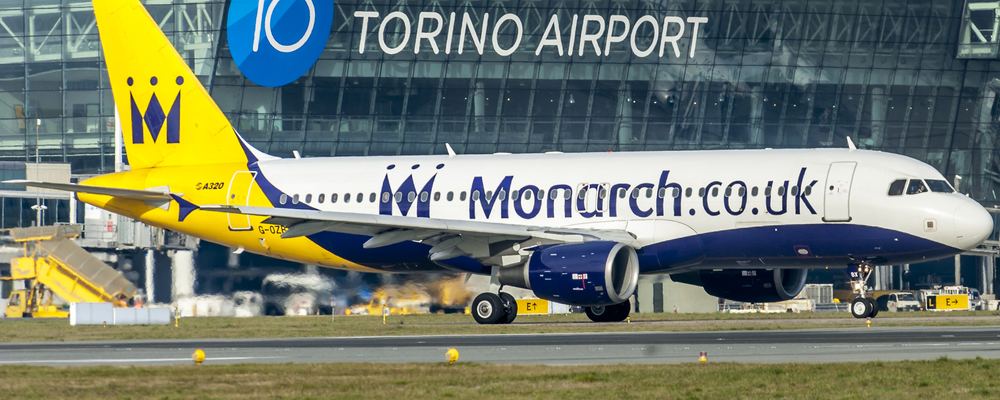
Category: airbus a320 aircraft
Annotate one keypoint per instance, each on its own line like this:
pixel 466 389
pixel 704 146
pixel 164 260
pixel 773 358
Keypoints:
pixel 577 229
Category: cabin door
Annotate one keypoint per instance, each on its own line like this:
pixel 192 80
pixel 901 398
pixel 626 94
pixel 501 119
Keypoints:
pixel 239 195
pixel 837 202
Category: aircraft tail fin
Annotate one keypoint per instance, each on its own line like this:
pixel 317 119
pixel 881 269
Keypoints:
pixel 167 116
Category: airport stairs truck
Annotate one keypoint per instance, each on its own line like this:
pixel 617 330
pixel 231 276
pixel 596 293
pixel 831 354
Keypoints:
pixel 53 265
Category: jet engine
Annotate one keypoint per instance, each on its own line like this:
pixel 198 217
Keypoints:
pixel 583 274
pixel 754 285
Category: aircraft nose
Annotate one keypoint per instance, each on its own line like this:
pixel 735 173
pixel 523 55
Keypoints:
pixel 973 225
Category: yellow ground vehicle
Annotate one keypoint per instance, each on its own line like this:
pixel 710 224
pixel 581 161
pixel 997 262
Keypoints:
pixel 36 302
pixel 53 265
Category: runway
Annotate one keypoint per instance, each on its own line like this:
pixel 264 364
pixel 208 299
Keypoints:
pixel 807 345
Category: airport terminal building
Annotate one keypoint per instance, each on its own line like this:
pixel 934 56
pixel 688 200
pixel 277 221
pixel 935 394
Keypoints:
pixel 356 78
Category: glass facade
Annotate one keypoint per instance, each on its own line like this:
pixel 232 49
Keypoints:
pixel 406 77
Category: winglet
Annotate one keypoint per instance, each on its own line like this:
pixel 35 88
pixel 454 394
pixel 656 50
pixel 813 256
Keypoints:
pixel 850 144
pixel 451 152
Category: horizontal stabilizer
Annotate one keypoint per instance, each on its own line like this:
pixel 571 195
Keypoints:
pixel 144 195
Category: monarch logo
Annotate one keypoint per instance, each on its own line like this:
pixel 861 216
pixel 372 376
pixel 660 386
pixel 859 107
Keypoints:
pixel 406 195
pixel 154 117
pixel 291 34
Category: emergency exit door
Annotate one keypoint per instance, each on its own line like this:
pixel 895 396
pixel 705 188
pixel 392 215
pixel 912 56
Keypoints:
pixel 239 195
pixel 837 202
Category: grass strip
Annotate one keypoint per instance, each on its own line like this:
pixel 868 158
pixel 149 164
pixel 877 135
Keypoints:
pixel 31 330
pixel 941 378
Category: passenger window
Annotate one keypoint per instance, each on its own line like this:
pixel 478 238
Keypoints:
pixel 809 190
pixel 896 187
pixel 603 193
pixel 677 193
pixel 372 197
pixel 320 198
pixel 398 197
pixel 795 190
pixel 687 192
pixel 423 197
pixel 767 191
pixel 333 198
pixel 649 193
pixel 461 196
pixel 916 187
pixel 437 196
pixel 502 195
pixel 489 195
pixel 295 199
pixel 715 192
pixel 635 193
pixel 513 194
pixel 475 195
pixel 753 192
pixel 701 192
pixel 661 193
pixel 622 192
pixel 527 195
pixel 360 198
pixel 385 197
pixel 582 194
pixel 781 190
pixel 309 198
pixel 729 191
pixel 411 196
pixel 743 191
pixel 283 199
pixel 451 196
pixel 347 197
pixel 567 194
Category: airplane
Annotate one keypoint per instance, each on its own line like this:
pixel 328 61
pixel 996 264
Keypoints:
pixel 576 229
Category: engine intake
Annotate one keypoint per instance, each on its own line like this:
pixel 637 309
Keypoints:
pixel 754 285
pixel 583 274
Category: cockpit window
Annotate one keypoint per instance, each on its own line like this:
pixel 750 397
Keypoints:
pixel 939 186
pixel 916 187
pixel 896 187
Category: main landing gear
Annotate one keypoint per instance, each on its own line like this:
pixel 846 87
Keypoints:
pixel 489 308
pixel 613 313
pixel 862 306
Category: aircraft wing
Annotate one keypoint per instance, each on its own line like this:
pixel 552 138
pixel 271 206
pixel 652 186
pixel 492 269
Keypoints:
pixel 144 195
pixel 485 241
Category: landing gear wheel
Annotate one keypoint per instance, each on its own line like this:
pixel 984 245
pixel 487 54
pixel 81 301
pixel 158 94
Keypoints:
pixel 623 311
pixel 874 307
pixel 861 307
pixel 487 309
pixel 600 313
pixel 511 308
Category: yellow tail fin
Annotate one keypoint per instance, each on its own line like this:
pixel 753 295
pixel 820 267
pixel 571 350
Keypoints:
pixel 167 116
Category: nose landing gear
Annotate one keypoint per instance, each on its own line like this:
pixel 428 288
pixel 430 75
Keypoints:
pixel 862 306
pixel 613 313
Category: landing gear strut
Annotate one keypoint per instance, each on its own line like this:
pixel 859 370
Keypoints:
pixel 862 306
pixel 613 313
pixel 489 308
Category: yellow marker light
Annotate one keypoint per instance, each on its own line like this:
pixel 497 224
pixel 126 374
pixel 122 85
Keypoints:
pixel 703 356
pixel 198 357
pixel 451 355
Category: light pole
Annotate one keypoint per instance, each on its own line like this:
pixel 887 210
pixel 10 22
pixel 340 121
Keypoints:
pixel 38 207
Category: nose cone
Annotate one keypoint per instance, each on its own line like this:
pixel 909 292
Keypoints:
pixel 973 224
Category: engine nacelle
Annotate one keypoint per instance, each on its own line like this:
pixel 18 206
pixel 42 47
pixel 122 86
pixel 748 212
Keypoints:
pixel 754 285
pixel 582 274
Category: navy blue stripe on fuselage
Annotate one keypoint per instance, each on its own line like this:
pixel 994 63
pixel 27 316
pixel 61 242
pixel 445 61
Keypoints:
pixel 794 246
